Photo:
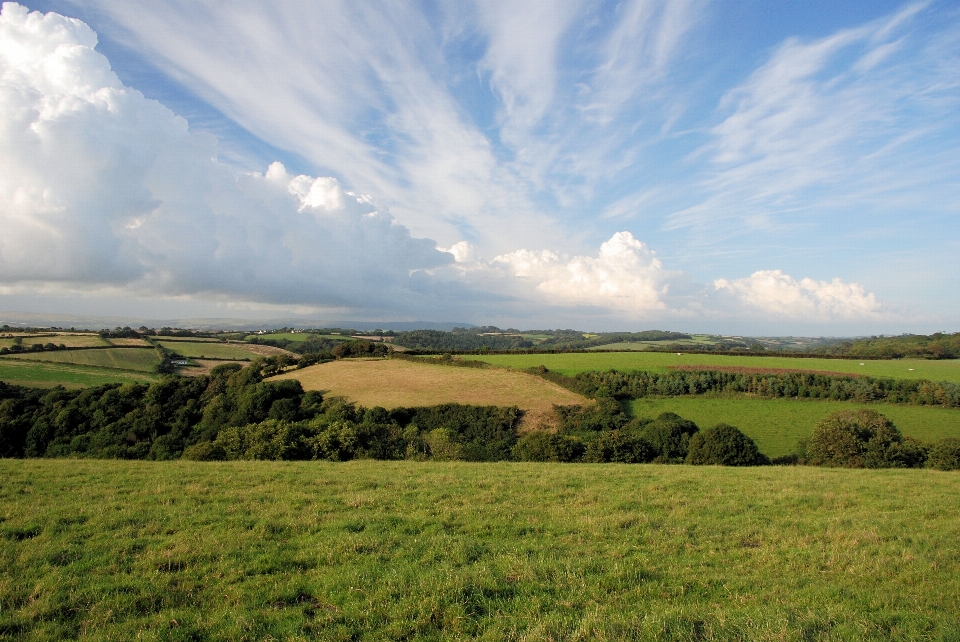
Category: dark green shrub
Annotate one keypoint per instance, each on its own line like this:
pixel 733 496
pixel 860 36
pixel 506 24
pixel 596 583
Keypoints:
pixel 861 438
pixel 619 446
pixel 204 451
pixel 945 454
pixel 606 414
pixel 485 433
pixel 724 445
pixel 669 436
pixel 540 445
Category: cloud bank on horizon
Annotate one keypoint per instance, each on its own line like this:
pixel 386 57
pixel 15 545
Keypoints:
pixel 484 162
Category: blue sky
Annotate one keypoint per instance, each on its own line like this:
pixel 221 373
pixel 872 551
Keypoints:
pixel 742 167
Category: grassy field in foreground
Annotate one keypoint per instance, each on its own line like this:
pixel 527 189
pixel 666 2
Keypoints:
pixel 572 363
pixel 391 383
pixel 40 374
pixel 777 424
pixel 400 550
pixel 138 359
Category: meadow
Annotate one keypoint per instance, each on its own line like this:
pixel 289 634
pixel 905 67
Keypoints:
pixel 572 363
pixel 136 359
pixel 776 425
pixel 392 383
pixel 45 374
pixel 85 340
pixel 366 550
pixel 196 349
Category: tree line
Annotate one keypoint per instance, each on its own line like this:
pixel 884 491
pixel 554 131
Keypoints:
pixel 935 346
pixel 638 384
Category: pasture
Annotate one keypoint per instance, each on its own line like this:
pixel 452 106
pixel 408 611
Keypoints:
pixel 392 383
pixel 71 340
pixel 141 343
pixel 136 359
pixel 199 367
pixel 441 551
pixel 47 374
pixel 572 363
pixel 238 351
pixel 776 425
pixel 299 337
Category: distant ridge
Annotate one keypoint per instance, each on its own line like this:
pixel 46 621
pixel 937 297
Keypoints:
pixel 37 319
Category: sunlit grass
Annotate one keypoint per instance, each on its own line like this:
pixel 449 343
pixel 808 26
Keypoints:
pixel 402 550
pixel 40 374
pixel 138 359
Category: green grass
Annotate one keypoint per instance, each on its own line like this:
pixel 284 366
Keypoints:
pixel 112 550
pixel 69 340
pixel 298 337
pixel 777 424
pixel 195 349
pixel 40 374
pixel 138 359
pixel 572 363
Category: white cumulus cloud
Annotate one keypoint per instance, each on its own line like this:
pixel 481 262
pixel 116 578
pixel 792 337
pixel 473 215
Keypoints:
pixel 103 189
pixel 625 275
pixel 777 293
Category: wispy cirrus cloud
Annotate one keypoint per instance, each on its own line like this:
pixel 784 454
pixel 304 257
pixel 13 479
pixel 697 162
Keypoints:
pixel 850 120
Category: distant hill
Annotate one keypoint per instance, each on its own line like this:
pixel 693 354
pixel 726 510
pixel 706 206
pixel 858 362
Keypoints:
pixel 933 346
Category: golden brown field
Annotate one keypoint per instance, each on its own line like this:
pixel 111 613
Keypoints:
pixel 391 383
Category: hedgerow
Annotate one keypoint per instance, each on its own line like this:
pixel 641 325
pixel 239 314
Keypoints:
pixel 802 385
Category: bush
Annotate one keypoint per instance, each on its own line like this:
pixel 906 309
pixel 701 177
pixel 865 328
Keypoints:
pixel 619 446
pixel 204 451
pixel 724 445
pixel 945 454
pixel 540 445
pixel 861 438
pixel 443 446
pixel 669 436
pixel 605 414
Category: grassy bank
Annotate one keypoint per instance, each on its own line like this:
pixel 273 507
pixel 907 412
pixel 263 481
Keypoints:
pixel 572 363
pixel 378 550
pixel 777 424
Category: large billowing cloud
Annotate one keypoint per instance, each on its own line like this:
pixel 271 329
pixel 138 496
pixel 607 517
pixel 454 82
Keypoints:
pixel 774 292
pixel 102 188
pixel 625 275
